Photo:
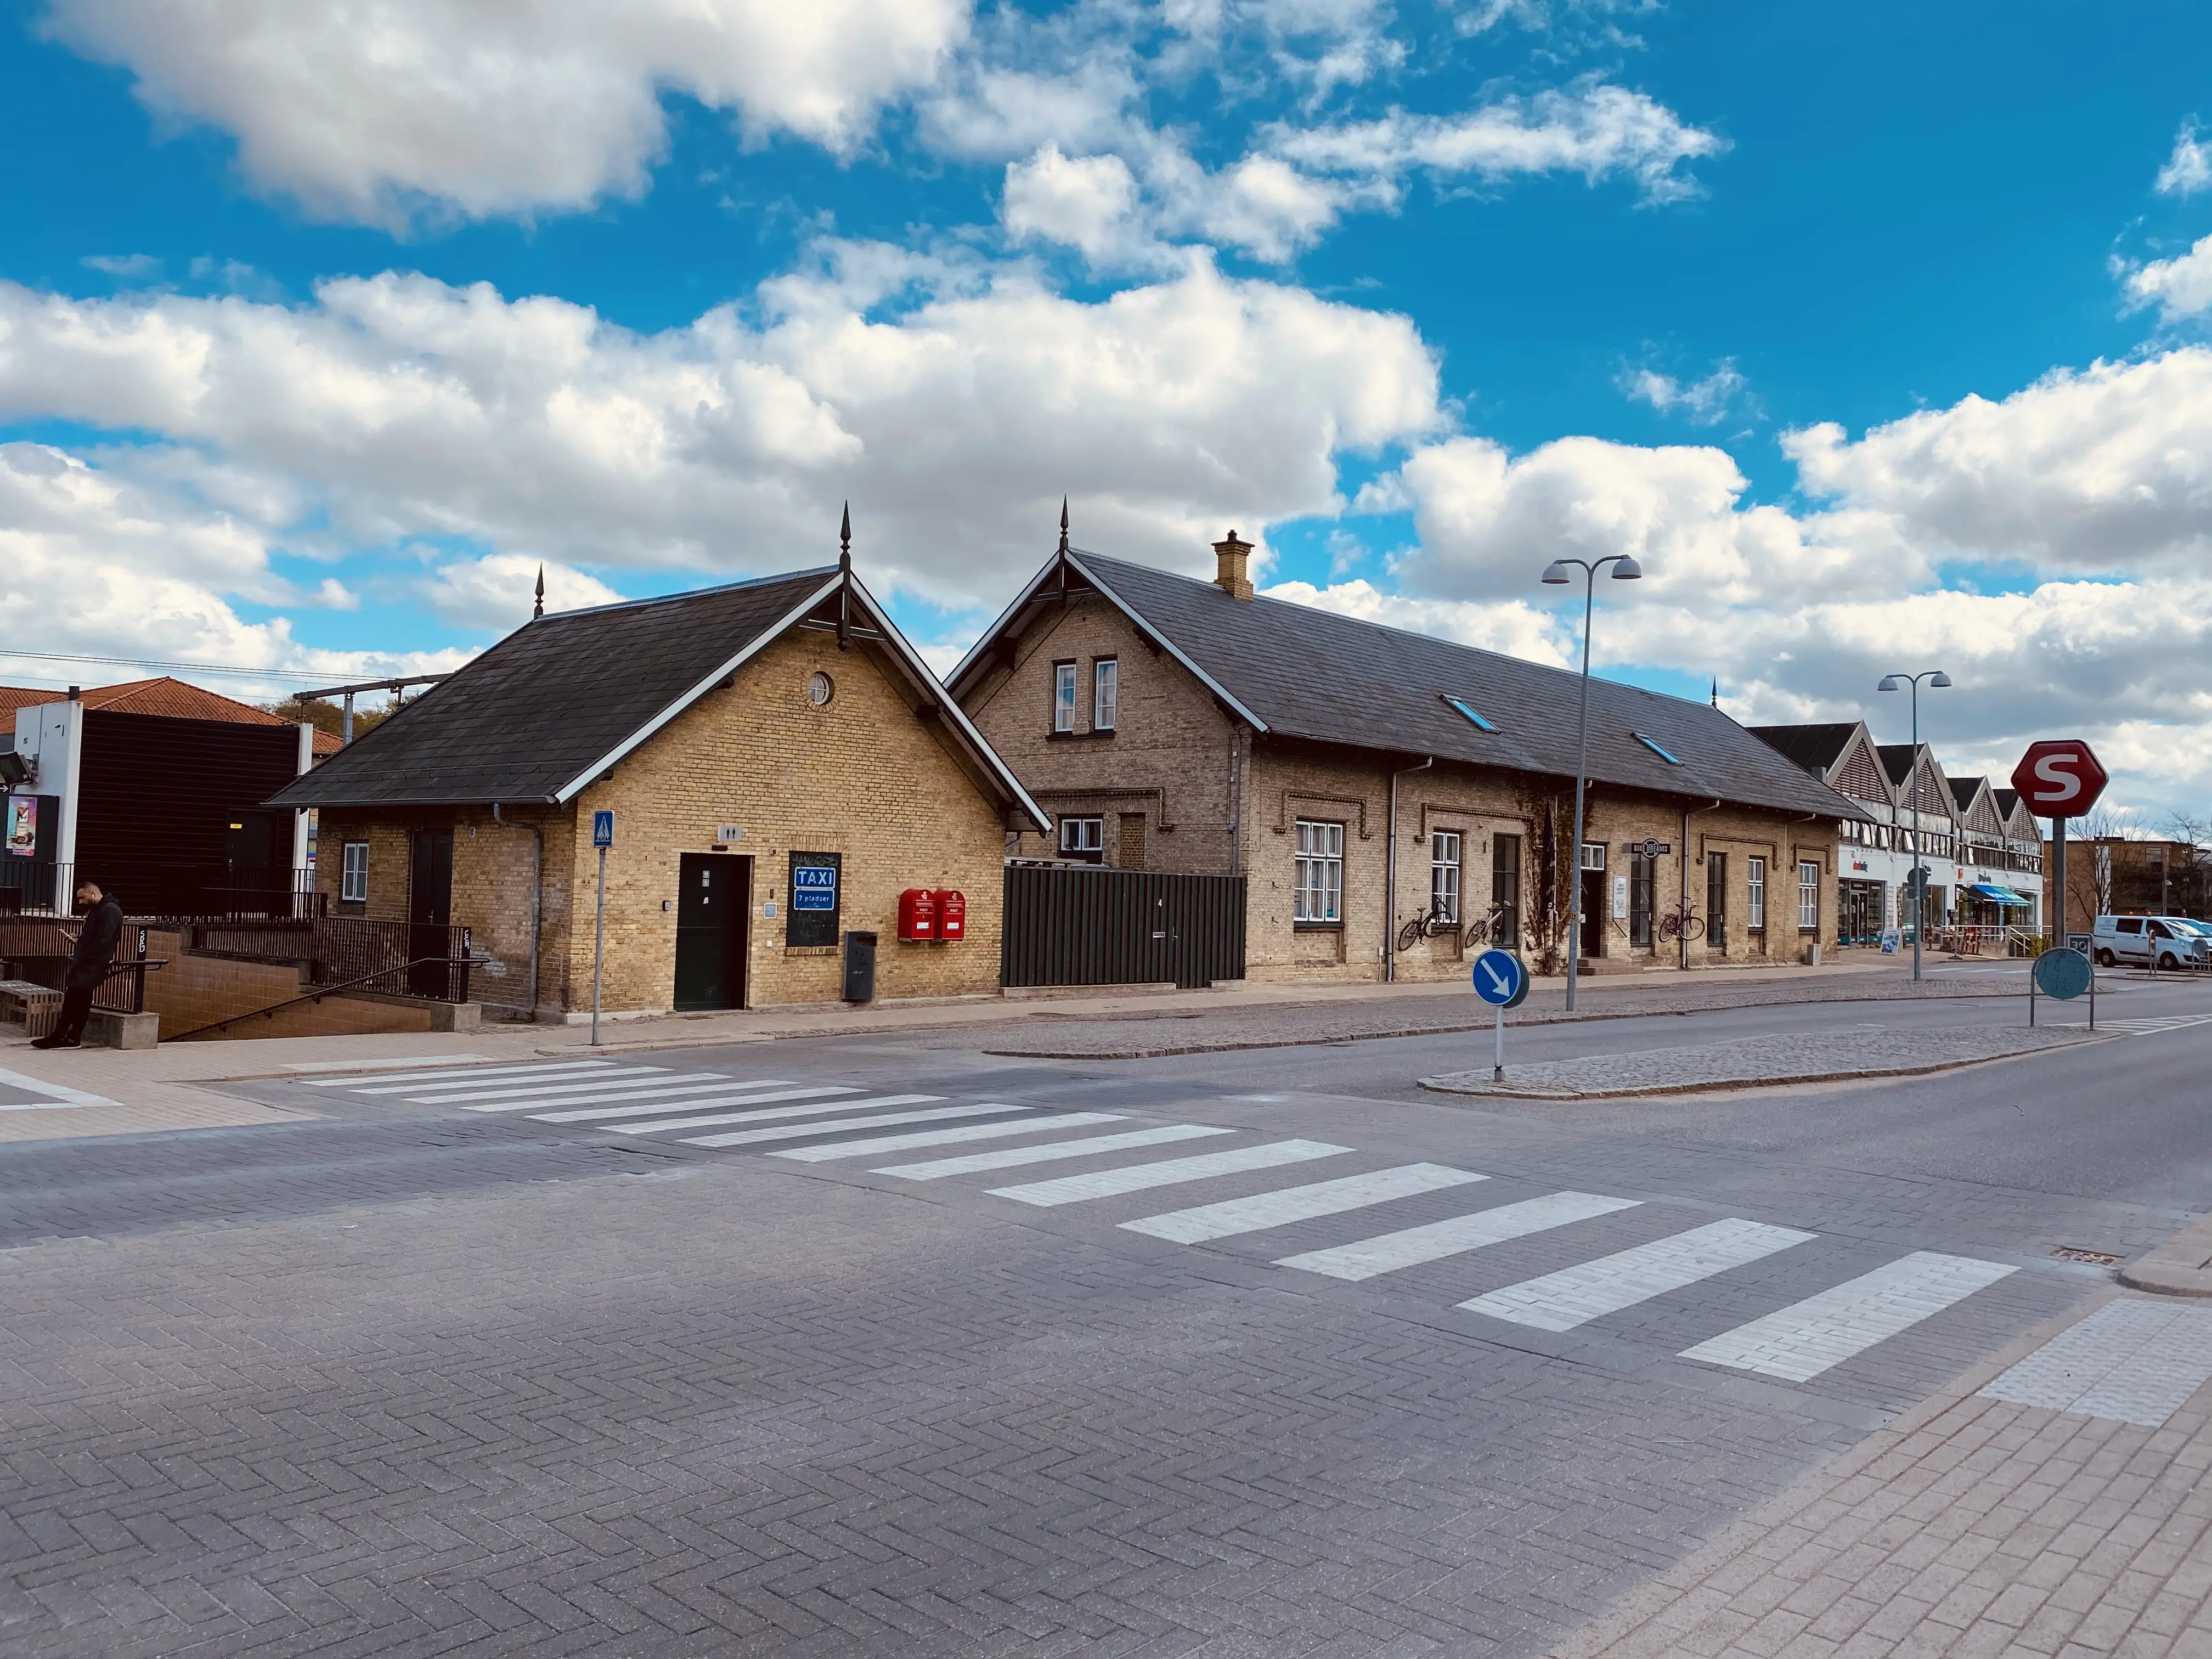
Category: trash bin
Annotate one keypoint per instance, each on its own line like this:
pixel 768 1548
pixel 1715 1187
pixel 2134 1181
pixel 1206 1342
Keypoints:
pixel 859 967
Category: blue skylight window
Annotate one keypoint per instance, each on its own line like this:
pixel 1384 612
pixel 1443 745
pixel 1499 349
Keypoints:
pixel 1481 724
pixel 1671 760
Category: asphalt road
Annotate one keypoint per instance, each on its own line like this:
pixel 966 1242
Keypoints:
pixel 427 1372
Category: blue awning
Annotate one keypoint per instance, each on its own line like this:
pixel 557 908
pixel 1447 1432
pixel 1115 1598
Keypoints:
pixel 2000 895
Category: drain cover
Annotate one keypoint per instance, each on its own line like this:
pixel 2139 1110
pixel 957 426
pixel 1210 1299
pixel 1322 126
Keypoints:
pixel 2076 1252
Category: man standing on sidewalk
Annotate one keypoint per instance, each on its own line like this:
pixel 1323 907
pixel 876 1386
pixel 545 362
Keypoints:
pixel 95 947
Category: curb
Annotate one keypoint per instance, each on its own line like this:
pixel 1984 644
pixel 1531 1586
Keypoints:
pixel 2181 1266
pixel 1714 1086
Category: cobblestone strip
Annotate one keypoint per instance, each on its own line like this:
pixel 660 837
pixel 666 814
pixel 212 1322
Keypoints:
pixel 1971 1526
pixel 1807 1057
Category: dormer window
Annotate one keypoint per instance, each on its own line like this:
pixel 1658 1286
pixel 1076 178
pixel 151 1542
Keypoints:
pixel 1671 760
pixel 1461 707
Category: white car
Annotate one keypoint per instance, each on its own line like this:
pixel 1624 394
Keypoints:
pixel 2172 942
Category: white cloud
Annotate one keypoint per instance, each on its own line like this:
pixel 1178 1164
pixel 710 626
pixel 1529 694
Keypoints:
pixel 123 267
pixel 1516 628
pixel 367 112
pixel 1593 129
pixel 1089 203
pixel 2189 169
pixel 1705 401
pixel 2179 287
pixel 111 566
pixel 499 590
pixel 395 407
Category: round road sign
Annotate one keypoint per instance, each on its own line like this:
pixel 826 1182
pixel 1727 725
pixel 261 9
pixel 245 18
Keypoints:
pixel 1500 979
pixel 2062 973
pixel 1650 847
pixel 2059 779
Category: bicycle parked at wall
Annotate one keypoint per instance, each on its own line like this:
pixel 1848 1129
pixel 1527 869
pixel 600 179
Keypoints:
pixel 1683 924
pixel 1430 924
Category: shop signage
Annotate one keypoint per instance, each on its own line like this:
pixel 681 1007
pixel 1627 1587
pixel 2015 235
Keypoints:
pixel 23 825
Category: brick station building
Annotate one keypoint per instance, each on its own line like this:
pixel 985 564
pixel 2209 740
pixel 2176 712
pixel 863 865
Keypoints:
pixel 748 739
pixel 1381 790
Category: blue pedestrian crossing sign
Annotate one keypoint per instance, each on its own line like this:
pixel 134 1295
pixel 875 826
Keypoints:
pixel 603 829
pixel 1500 979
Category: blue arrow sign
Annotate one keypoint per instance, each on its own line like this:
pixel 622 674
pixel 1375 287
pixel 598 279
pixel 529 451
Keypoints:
pixel 1499 978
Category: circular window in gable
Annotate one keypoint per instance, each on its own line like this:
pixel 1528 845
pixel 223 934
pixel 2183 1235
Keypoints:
pixel 820 688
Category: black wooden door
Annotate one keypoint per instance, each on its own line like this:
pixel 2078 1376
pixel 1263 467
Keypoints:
pixel 714 898
pixel 1593 927
pixel 429 911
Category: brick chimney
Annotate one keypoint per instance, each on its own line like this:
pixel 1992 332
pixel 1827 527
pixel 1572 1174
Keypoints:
pixel 1229 572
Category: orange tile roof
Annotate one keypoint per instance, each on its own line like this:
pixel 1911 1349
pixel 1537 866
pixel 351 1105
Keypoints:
pixel 171 697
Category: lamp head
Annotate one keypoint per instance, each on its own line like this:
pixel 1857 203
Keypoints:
pixel 1555 574
pixel 1940 681
pixel 1626 570
pixel 1890 682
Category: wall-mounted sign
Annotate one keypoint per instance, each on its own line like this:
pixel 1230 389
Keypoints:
pixel 724 834
pixel 23 825
pixel 814 881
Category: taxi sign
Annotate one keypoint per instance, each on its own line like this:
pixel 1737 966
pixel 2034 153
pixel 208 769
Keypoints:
pixel 1500 979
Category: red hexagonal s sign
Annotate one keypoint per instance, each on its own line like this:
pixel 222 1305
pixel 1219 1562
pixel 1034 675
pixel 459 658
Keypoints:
pixel 2059 779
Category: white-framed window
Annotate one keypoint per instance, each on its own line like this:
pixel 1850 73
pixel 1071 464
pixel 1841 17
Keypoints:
pixel 1105 694
pixel 1443 875
pixel 1593 855
pixel 352 874
pixel 1063 696
pixel 1755 905
pixel 1084 839
pixel 1321 872
pixel 1808 896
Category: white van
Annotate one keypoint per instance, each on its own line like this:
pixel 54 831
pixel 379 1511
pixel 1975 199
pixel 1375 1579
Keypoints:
pixel 2177 942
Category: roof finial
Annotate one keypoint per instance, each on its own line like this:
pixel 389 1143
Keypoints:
pixel 1063 524
pixel 1717 690
pixel 540 610
pixel 845 542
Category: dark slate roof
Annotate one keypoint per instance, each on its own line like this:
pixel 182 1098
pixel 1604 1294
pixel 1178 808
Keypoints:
pixel 2007 799
pixel 1309 673
pixel 1896 760
pixel 1812 747
pixel 557 695
pixel 1963 791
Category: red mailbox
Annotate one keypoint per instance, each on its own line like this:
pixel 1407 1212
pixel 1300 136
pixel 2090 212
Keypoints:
pixel 917 915
pixel 952 915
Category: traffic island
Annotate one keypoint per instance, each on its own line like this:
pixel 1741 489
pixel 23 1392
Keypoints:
pixel 1758 1062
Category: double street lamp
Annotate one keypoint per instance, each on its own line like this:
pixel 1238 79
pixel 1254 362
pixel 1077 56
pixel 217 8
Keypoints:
pixel 1937 681
pixel 1625 569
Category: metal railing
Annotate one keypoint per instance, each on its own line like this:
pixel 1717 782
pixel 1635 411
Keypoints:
pixel 37 949
pixel 315 995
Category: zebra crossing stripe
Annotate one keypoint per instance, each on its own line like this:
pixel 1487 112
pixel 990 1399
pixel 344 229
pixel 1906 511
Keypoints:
pixel 1574 1295
pixel 658 1124
pixel 798 1131
pixel 943 1137
pixel 1390 1251
pixel 1798 1343
pixel 398 1082
pixel 624 1083
pixel 591 1114
pixel 1136 1177
pixel 2131 1361
pixel 1008 1157
pixel 1279 1208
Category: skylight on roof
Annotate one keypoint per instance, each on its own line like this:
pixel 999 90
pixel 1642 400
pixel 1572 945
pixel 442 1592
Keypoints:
pixel 1671 760
pixel 1481 724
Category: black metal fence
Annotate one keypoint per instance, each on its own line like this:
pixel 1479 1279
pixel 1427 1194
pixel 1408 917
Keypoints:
pixel 37 950
pixel 1079 924
pixel 404 958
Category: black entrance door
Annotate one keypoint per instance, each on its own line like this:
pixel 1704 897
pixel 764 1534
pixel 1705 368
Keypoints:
pixel 711 906
pixel 1593 927
pixel 429 911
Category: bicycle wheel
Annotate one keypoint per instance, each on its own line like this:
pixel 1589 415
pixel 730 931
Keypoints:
pixel 1670 927
pixel 1693 928
pixel 1477 934
pixel 1411 933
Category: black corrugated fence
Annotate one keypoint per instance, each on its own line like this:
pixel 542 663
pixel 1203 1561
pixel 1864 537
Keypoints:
pixel 1082 924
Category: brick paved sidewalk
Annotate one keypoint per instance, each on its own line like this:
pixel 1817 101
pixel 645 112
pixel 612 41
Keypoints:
pixel 1971 1526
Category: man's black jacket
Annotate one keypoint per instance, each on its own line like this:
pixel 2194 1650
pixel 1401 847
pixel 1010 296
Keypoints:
pixel 95 946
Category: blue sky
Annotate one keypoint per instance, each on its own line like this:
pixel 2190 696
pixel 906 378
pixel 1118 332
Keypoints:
pixel 1422 295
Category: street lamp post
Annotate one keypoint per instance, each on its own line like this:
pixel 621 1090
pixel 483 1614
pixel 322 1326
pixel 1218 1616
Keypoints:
pixel 1625 569
pixel 1937 680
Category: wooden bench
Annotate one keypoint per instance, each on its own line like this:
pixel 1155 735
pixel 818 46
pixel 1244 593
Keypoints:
pixel 36 1006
